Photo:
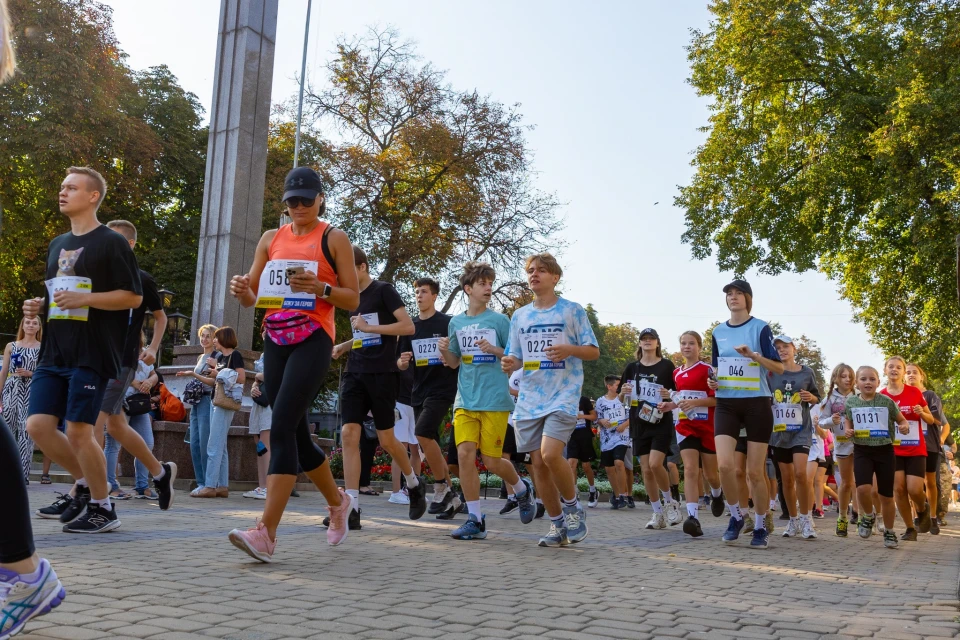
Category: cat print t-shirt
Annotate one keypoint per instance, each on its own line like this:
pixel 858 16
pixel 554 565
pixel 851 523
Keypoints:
pixel 95 262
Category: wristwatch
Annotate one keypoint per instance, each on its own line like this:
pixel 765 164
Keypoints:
pixel 327 289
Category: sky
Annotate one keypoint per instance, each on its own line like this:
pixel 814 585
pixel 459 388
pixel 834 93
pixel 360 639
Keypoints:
pixel 616 125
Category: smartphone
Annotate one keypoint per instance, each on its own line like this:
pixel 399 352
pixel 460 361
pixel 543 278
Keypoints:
pixel 293 271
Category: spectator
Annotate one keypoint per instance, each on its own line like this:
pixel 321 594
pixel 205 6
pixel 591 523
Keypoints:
pixel 198 394
pixel 19 361
pixel 136 406
pixel 260 417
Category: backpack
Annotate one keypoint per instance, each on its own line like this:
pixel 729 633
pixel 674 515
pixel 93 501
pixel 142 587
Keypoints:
pixel 171 409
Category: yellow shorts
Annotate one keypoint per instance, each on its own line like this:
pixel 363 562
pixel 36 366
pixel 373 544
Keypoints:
pixel 486 428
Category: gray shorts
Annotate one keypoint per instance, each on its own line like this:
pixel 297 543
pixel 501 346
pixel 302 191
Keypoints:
pixel 556 425
pixel 260 418
pixel 771 469
pixel 628 459
pixel 116 391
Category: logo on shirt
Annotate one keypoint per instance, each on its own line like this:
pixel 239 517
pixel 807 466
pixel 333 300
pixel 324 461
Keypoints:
pixel 542 329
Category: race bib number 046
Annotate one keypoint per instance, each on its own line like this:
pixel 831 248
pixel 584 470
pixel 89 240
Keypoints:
pixel 426 352
pixel 274 291
pixel 68 283
pixel 738 374
pixel 470 353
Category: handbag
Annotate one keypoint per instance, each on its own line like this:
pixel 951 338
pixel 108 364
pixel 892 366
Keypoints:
pixel 223 401
pixel 194 392
pixel 137 404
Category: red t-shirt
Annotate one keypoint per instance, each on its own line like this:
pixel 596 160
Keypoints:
pixel 694 379
pixel 907 400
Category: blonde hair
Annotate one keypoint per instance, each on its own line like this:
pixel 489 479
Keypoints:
pixel 8 61
pixel 212 328
pixel 866 368
pixel 94 178
pixel 546 260
pixel 124 228
pixel 838 371
pixel 21 334
pixel 892 358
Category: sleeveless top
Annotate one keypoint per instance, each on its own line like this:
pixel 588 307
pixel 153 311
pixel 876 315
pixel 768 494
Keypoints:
pixel 312 246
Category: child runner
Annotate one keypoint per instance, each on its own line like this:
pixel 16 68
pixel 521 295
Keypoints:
pixel 911 449
pixel 933 438
pixel 694 402
pixel 741 347
pixel 614 430
pixel 872 420
pixel 483 403
pixel 831 417
pixel 794 391
pixel 549 339
pixel 580 447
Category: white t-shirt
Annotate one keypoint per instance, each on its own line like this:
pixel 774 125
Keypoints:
pixel 614 411
pixel 514 383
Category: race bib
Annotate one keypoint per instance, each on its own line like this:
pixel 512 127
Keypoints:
pixel 646 391
pixel 581 424
pixel 787 417
pixel 426 352
pixel 911 438
pixel 363 339
pixel 68 283
pixel 534 346
pixel 870 422
pixel 738 374
pixel 698 413
pixel 470 353
pixel 826 422
pixel 274 291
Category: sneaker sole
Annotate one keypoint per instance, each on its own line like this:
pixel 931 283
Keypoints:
pixel 52 601
pixel 110 526
pixel 733 541
pixel 173 477
pixel 544 543
pixel 692 531
pixel 760 546
pixel 346 533
pixel 49 516
pixel 479 536
pixel 586 530
pixel 238 541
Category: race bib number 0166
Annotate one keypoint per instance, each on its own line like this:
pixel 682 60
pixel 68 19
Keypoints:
pixel 426 352
pixel 68 283
pixel 870 422
pixel 470 353
pixel 787 417
pixel 274 291
pixel 738 374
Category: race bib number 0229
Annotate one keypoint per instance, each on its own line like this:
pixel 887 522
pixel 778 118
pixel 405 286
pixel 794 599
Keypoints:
pixel 426 352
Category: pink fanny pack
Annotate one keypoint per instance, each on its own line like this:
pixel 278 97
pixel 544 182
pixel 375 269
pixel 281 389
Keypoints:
pixel 289 327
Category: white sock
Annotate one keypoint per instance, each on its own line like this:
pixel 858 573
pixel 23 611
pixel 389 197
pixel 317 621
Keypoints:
pixel 163 472
pixel 715 493
pixel 440 489
pixel 773 504
pixel 657 506
pixel 81 482
pixel 667 496
pixel 758 521
pixel 412 480
pixel 473 507
pixel 593 488
pixel 105 503
pixel 735 511
pixel 519 489
pixel 692 509
pixel 354 497
pixel 539 501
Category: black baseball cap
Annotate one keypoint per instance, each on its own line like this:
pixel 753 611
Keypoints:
pixel 742 285
pixel 650 332
pixel 302 182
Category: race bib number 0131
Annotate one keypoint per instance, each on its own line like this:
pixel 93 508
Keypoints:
pixel 274 291
pixel 426 352
pixel 870 422
pixel 738 374
pixel 470 353
pixel 363 339
pixel 534 344
pixel 68 283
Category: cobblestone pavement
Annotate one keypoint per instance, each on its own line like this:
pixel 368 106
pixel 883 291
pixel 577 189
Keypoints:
pixel 175 576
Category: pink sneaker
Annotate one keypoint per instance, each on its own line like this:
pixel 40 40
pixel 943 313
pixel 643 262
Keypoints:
pixel 337 532
pixel 255 542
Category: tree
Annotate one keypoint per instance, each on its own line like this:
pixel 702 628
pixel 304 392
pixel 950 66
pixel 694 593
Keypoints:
pixel 833 145
pixel 617 344
pixel 426 177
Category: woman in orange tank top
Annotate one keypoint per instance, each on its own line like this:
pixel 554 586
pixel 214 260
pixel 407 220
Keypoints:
pixel 300 273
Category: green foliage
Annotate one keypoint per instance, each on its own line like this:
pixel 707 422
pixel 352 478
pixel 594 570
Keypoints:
pixel 617 343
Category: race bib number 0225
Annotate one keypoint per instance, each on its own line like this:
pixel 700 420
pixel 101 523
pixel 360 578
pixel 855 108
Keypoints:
pixel 534 343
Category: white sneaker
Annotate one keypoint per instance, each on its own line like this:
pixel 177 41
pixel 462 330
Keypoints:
pixel 253 494
pixel 806 528
pixel 261 493
pixel 792 529
pixel 657 521
pixel 398 497
pixel 438 496
pixel 673 515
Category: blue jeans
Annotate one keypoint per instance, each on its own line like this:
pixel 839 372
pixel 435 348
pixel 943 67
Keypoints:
pixel 217 469
pixel 111 449
pixel 199 435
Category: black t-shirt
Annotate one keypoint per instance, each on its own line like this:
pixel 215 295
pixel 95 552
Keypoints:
pixel 660 373
pixel 932 431
pixel 430 380
pixel 586 407
pixel 232 361
pixel 405 386
pixel 377 353
pixel 151 303
pixel 104 261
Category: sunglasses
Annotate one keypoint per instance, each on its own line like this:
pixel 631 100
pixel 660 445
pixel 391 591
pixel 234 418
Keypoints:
pixel 298 201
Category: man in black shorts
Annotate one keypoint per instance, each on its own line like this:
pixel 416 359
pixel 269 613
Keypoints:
pixel 580 447
pixel 434 388
pixel 92 284
pixel 369 383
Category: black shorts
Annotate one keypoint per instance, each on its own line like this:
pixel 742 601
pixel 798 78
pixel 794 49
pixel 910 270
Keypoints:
pixel 609 458
pixel 510 442
pixel 429 417
pixel 912 465
pixel 693 442
pixel 580 445
pixel 742 445
pixel 374 393
pixel 756 414
pixel 783 455
pixel 72 395
pixel 653 438
pixel 452 456
pixel 933 462
pixel 881 461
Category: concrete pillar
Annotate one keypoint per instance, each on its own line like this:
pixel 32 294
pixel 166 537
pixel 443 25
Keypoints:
pixel 236 161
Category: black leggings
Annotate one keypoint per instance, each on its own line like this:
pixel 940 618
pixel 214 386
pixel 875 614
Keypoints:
pixel 881 461
pixel 16 537
pixel 292 376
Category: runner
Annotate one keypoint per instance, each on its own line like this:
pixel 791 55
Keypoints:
pixel 741 347
pixel 794 391
pixel 580 448
pixel 911 449
pixel 434 388
pixel 872 420
pixel 614 428
pixel 403 429
pixel 647 383
pixel 483 401
pixel 549 340
pixel 510 450
pixel 300 273
pixel 933 437
pixel 92 283
pixel 693 403
pixel 370 383
pixel 831 417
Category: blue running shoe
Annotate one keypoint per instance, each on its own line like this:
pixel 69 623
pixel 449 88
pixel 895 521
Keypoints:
pixel 556 537
pixel 472 529
pixel 733 530
pixel 528 508
pixel 575 520
pixel 759 540
pixel 20 601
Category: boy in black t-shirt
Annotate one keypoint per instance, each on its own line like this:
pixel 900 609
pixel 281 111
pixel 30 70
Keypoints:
pixel 580 447
pixel 369 383
pixel 92 283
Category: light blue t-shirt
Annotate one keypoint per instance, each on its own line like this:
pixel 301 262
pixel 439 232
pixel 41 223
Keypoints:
pixel 549 386
pixel 738 377
pixel 481 383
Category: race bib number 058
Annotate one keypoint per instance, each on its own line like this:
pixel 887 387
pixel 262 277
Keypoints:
pixel 738 374
pixel 274 291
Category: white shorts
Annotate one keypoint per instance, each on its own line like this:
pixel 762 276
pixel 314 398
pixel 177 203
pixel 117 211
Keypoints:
pixel 816 450
pixel 403 427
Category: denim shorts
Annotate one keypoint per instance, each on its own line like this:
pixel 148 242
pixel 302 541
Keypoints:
pixel 74 395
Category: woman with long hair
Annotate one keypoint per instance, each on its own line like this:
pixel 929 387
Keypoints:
pixel 842 381
pixel 19 361
pixel 933 435
pixel 199 394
